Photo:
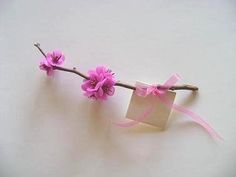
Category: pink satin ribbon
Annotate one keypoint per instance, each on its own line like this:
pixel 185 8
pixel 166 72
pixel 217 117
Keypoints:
pixel 160 93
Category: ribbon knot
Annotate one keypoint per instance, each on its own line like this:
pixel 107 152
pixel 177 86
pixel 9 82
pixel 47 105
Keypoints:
pixel 156 90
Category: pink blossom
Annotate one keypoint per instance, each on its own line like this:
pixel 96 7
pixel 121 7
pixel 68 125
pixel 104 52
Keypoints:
pixel 55 57
pixel 100 83
pixel 46 66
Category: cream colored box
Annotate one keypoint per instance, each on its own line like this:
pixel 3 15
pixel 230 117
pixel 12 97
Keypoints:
pixel 139 105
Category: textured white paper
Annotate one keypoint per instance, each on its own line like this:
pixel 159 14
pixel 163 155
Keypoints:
pixel 139 105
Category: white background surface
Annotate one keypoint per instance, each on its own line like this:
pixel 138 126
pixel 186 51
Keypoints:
pixel 49 129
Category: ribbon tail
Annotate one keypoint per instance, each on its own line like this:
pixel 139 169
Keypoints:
pixel 139 119
pixel 195 117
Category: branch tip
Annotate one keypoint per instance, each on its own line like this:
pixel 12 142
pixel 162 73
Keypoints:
pixel 36 44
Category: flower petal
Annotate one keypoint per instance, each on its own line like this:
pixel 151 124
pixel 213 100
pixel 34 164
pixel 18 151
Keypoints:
pixel 101 70
pixel 86 84
pixel 44 65
pixel 110 91
pixel 100 92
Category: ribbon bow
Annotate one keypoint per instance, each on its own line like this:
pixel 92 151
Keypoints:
pixel 160 91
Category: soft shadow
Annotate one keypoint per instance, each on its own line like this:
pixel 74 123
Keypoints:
pixel 192 125
pixel 103 133
pixel 96 122
pixel 188 101
pixel 49 100
pixel 143 128
pixel 53 104
pixel 100 119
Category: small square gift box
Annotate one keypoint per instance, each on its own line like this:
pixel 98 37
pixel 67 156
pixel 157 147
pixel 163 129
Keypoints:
pixel 150 108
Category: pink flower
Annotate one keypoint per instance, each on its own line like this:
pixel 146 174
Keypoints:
pixel 54 58
pixel 46 66
pixel 100 83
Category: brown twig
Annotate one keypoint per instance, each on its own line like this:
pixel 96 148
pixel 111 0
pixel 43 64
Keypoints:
pixel 73 70
pixel 118 83
pixel 38 47
pixel 176 87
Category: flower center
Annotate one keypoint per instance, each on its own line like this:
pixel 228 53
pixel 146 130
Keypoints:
pixel 55 59
pixel 93 83
pixel 105 89
pixel 46 67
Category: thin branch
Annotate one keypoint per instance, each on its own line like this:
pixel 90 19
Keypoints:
pixel 71 71
pixel 118 83
pixel 175 87
pixel 38 47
